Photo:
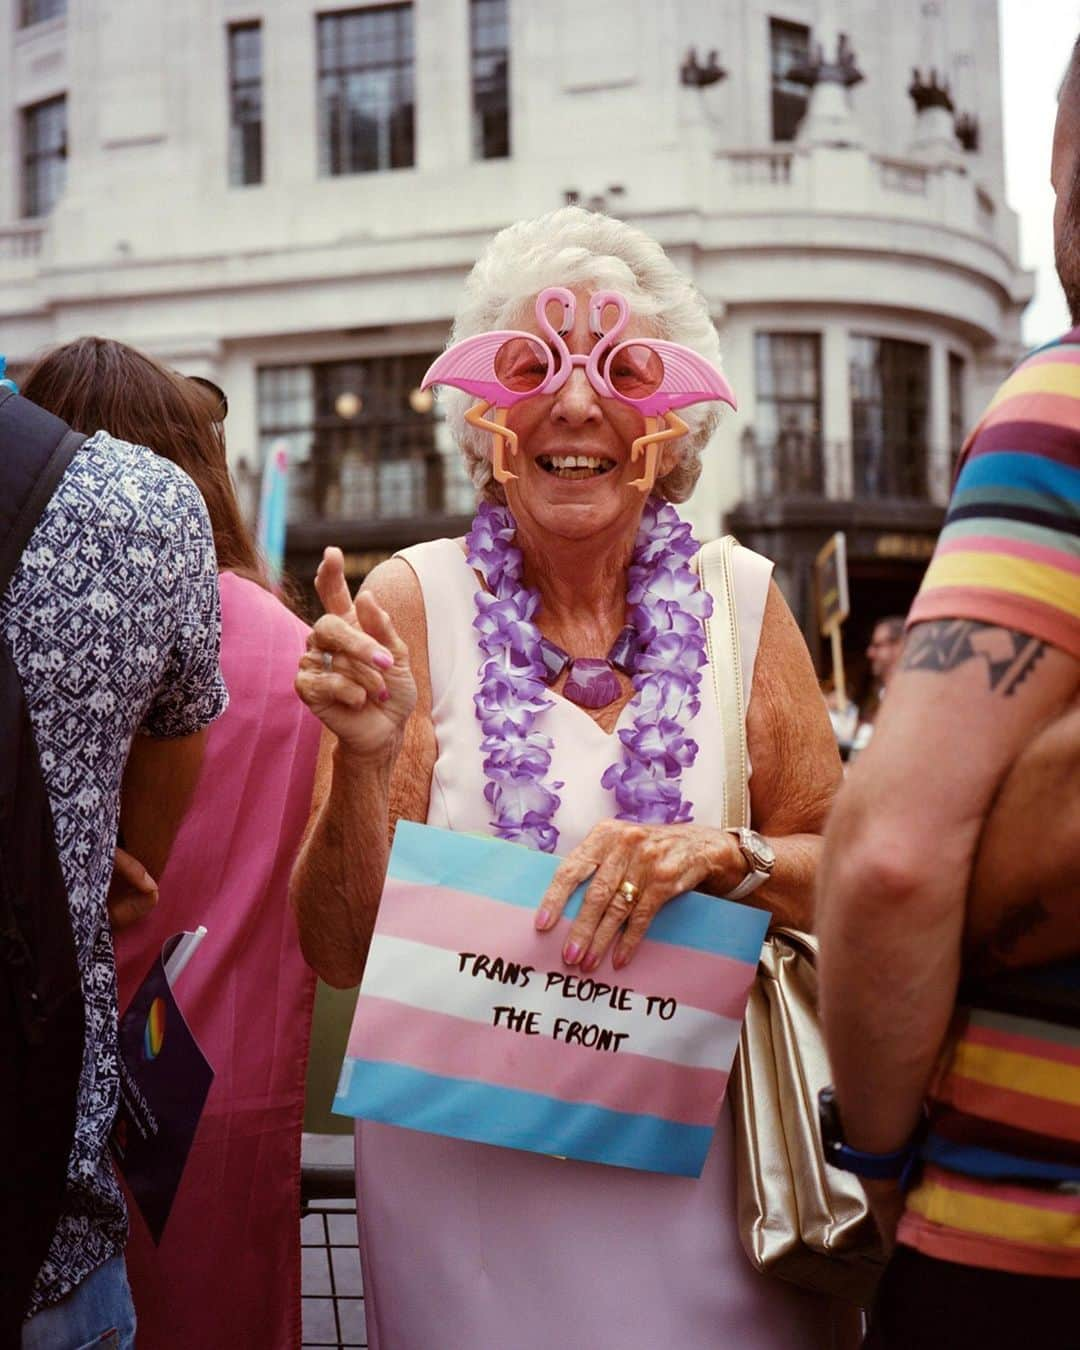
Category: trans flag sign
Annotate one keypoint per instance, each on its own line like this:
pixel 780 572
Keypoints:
pixel 468 1024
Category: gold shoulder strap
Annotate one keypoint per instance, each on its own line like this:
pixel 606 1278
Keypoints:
pixel 713 565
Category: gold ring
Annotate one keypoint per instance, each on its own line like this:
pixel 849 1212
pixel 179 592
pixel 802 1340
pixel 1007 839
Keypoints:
pixel 628 891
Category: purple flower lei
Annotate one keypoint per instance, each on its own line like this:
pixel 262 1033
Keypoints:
pixel 667 607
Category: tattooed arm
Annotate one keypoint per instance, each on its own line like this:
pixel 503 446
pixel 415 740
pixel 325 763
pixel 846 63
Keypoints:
pixel 900 853
pixel 1007 657
pixel 1023 906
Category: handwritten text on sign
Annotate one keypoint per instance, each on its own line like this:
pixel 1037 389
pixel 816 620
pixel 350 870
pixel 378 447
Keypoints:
pixel 467 1025
pixel 561 986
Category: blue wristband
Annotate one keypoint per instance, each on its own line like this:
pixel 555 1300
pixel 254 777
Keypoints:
pixel 899 1165
pixel 873 1166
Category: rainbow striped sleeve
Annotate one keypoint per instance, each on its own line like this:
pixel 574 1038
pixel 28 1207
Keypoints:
pixel 1010 550
pixel 1001 1183
pixel 1000 1186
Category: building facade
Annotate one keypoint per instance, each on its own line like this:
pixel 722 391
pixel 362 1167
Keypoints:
pixel 285 197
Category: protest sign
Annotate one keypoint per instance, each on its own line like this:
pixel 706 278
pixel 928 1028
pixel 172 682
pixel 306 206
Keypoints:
pixel 468 1024
pixel 834 604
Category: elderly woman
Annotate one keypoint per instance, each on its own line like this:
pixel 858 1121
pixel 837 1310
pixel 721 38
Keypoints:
pixel 469 1245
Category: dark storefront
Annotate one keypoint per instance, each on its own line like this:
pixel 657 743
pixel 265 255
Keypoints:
pixel 889 543
pixel 798 490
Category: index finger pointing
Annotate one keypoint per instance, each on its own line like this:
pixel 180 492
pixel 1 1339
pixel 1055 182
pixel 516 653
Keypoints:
pixel 330 583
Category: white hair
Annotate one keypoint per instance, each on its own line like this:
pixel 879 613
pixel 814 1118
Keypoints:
pixel 573 247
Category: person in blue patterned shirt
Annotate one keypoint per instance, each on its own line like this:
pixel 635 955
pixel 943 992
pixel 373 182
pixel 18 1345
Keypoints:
pixel 112 621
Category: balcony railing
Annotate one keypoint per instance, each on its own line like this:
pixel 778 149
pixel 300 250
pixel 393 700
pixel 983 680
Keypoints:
pixel 338 484
pixel 792 465
pixel 898 175
pixel 21 242
pixel 795 464
pixel 803 178
pixel 890 469
pixel 769 166
pixel 351 485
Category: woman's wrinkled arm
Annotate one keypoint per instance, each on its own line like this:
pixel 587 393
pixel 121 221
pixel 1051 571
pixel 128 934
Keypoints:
pixel 796 766
pixel 360 794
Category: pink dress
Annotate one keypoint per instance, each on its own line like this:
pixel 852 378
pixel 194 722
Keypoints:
pixel 227 1272
pixel 470 1247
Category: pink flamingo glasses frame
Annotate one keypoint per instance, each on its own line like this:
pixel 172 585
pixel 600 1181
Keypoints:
pixel 506 366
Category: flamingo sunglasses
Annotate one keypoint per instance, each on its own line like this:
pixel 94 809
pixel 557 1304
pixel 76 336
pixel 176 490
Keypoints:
pixel 506 366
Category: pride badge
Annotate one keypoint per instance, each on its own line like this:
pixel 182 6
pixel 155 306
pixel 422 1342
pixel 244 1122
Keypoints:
pixel 154 1035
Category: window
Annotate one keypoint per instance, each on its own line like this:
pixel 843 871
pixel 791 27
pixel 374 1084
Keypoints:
pixel 44 155
pixel 37 11
pixel 789 45
pixel 363 440
pixel 366 110
pixel 490 79
pixel 245 104
pixel 957 420
pixel 286 403
pixel 787 369
pixel 890 383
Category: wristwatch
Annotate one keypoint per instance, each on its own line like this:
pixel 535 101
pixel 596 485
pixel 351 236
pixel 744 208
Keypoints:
pixel 760 861
pixel 895 1166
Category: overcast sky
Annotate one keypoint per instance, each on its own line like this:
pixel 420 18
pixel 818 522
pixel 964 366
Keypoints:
pixel 1036 38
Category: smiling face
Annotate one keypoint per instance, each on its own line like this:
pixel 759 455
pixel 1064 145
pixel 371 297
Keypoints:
pixel 573 462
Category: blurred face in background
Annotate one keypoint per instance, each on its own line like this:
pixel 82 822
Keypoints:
pixel 1065 180
pixel 884 652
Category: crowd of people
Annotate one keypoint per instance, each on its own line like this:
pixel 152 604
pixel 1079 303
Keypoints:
pixel 546 680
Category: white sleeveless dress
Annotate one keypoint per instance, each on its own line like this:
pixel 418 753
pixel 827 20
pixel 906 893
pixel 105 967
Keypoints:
pixel 471 1247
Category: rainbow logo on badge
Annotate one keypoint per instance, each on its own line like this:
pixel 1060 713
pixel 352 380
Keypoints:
pixel 154 1035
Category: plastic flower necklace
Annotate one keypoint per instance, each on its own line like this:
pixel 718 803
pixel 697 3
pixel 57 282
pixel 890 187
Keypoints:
pixel 667 608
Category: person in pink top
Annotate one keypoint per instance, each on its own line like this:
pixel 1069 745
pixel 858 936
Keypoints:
pixel 227 1271
pixel 546 681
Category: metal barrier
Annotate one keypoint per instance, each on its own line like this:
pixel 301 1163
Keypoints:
pixel 333 1289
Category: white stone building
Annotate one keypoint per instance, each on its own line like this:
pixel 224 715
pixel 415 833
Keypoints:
pixel 285 196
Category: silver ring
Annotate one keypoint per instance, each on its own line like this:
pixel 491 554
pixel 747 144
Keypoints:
pixel 327 661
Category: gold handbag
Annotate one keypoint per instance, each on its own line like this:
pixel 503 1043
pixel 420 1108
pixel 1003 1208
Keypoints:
pixel 798 1218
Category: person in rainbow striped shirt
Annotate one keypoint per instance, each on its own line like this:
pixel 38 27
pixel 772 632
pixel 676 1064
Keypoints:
pixel 948 895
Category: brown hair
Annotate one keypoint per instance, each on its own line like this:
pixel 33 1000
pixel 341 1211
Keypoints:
pixel 96 383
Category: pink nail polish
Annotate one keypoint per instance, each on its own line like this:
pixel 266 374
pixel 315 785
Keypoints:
pixel 382 659
pixel 590 963
pixel 384 694
pixel 543 918
pixel 571 952
pixel 618 960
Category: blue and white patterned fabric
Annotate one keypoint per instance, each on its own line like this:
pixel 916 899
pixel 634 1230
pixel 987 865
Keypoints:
pixel 112 619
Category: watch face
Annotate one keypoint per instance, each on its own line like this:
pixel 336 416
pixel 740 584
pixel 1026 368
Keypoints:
pixel 763 851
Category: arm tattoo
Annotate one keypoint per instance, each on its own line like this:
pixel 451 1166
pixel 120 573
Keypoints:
pixel 943 644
